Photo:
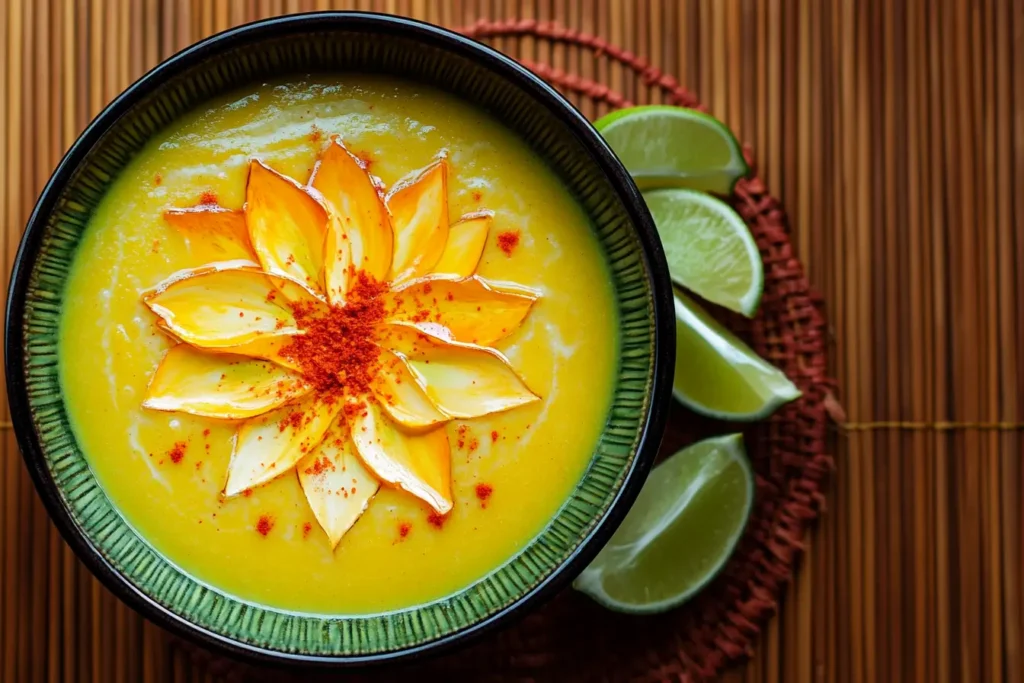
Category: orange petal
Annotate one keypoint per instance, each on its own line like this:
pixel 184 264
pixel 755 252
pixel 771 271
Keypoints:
pixel 462 380
pixel 419 214
pixel 271 444
pixel 337 485
pixel 420 464
pixel 473 310
pixel 225 304
pixel 213 232
pixel 287 226
pixel 466 240
pixel 362 234
pixel 224 386
pixel 402 397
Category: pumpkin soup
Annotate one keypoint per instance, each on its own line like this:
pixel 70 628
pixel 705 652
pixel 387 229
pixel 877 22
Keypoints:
pixel 338 347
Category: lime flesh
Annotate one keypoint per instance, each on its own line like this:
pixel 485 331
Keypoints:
pixel 665 146
pixel 718 375
pixel 681 530
pixel 709 248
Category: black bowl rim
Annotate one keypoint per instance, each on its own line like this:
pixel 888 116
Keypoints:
pixel 657 274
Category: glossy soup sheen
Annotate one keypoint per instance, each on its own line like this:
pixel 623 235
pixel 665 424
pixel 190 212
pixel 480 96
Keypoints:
pixel 531 457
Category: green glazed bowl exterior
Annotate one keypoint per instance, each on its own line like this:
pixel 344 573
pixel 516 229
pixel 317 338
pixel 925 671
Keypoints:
pixel 339 43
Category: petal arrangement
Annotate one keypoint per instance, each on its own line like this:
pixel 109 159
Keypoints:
pixel 341 327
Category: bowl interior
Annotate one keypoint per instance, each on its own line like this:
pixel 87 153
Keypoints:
pixel 337 43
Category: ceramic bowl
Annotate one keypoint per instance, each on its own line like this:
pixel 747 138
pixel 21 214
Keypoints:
pixel 339 43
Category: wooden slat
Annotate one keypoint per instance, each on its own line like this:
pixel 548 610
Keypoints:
pixel 893 133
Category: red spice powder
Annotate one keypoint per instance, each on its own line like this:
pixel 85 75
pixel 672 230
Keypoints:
pixel 508 241
pixel 208 197
pixel 247 493
pixel 177 453
pixel 157 179
pixel 264 524
pixel 306 528
pixel 437 521
pixel 494 436
pixel 403 529
pixel 199 464
pixel 156 246
pixel 206 432
pixel 477 196
pixel 461 441
pixel 320 465
pixel 483 492
pixel 337 354
pixel 293 420
pixel 315 135
pixel 473 444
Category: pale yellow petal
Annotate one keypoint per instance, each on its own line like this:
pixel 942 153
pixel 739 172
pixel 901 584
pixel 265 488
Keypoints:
pixel 362 234
pixel 473 310
pixel 224 386
pixel 419 464
pixel 266 347
pixel 213 232
pixel 402 397
pixel 419 214
pixel 462 380
pixel 287 226
pixel 271 444
pixel 225 305
pixel 466 240
pixel 337 485
pixel 338 270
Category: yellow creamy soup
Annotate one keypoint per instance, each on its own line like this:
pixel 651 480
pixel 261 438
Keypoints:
pixel 518 423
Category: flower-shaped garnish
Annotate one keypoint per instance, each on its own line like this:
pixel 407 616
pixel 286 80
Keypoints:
pixel 342 328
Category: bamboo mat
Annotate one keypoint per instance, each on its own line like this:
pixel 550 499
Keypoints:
pixel 893 132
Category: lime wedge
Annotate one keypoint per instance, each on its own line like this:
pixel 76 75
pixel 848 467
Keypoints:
pixel 664 146
pixel 720 376
pixel 679 533
pixel 709 248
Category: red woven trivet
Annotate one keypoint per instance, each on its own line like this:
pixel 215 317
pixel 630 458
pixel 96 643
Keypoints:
pixel 573 639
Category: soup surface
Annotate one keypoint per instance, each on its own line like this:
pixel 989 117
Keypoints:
pixel 166 471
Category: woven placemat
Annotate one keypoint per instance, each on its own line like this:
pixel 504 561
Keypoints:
pixel 571 638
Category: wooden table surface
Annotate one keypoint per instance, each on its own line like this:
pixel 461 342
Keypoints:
pixel 894 134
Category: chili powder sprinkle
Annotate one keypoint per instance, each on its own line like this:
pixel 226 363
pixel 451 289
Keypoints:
pixel 403 529
pixel 306 528
pixel 508 241
pixel 437 521
pixel 483 492
pixel 208 197
pixel 338 355
pixel 264 524
pixel 177 453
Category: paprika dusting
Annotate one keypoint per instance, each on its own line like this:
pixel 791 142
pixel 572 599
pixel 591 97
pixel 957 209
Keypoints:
pixel 177 453
pixel 306 528
pixel 508 241
pixel 208 197
pixel 403 529
pixel 435 520
pixel 337 353
pixel 264 524
pixel 483 492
